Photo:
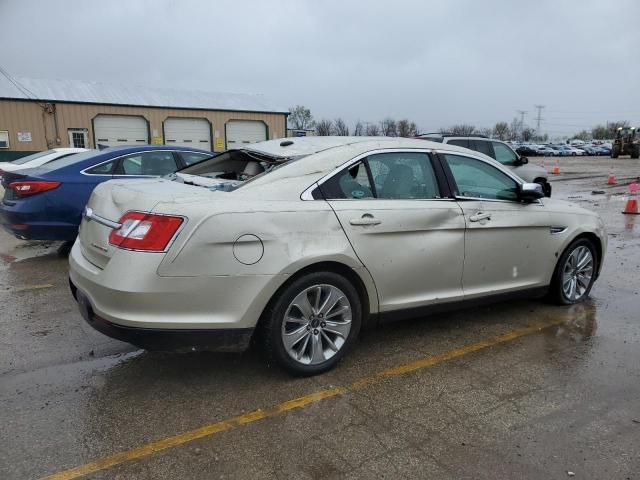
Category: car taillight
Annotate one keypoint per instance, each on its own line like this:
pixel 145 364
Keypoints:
pixel 145 231
pixel 28 188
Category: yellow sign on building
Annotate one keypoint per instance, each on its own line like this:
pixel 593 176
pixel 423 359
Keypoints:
pixel 156 141
pixel 219 144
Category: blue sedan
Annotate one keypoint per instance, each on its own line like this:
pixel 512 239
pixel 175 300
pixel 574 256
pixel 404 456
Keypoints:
pixel 46 203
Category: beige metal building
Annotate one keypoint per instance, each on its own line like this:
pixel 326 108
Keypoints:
pixel 39 114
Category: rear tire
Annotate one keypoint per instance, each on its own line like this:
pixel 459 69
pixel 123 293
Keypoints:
pixel 311 323
pixel 575 273
pixel 635 153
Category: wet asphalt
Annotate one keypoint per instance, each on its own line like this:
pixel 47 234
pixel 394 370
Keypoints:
pixel 559 403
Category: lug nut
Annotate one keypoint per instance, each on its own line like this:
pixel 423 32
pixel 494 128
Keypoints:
pixel 315 331
pixel 323 324
pixel 308 327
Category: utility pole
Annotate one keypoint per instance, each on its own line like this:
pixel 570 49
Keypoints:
pixel 539 117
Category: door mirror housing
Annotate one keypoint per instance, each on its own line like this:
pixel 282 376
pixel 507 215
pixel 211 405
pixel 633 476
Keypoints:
pixel 530 192
pixel 521 160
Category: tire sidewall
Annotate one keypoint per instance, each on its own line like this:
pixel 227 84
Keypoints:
pixel 282 302
pixel 556 286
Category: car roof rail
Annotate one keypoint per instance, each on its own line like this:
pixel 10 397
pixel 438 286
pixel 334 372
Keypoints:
pixel 438 134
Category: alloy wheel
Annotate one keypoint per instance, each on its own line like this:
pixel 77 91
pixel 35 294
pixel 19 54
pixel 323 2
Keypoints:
pixel 316 324
pixel 577 273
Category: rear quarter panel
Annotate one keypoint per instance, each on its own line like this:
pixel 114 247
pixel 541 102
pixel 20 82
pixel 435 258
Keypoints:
pixel 292 235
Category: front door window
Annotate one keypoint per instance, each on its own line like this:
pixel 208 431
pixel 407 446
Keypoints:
pixel 477 179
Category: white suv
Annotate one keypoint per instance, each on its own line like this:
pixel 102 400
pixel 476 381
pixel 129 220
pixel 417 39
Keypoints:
pixel 499 151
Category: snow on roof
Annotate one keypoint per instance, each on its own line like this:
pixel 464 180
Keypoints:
pixel 80 91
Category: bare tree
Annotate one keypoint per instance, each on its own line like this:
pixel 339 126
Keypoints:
pixel 514 128
pixel 583 135
pixel 487 132
pixel 324 128
pixel 340 128
pixel 389 127
pixel 527 133
pixel 599 132
pixel 407 128
pixel 300 118
pixel 372 130
pixel 358 129
pixel 462 129
pixel 501 130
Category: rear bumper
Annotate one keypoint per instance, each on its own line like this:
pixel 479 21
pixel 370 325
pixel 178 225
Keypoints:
pixel 129 301
pixel 220 340
pixel 28 224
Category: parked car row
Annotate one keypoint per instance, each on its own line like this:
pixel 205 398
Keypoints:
pixel 562 150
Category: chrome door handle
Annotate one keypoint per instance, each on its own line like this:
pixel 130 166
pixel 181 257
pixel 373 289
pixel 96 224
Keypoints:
pixel 366 219
pixel 480 216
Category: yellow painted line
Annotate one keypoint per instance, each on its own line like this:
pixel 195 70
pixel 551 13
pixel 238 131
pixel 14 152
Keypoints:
pixel 294 404
pixel 28 288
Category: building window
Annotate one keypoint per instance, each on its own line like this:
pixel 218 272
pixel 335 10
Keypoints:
pixel 4 139
pixel 78 137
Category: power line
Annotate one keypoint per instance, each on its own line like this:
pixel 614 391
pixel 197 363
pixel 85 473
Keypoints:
pixel 24 90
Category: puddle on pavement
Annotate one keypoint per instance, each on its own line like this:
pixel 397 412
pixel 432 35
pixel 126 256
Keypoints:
pixel 578 322
pixel 26 250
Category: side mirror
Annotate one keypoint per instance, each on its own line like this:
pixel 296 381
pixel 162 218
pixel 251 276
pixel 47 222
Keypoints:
pixel 524 160
pixel 530 192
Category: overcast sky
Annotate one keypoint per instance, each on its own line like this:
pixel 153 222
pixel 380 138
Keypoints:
pixel 437 63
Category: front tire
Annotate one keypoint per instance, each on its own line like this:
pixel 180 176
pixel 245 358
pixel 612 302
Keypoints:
pixel 311 323
pixel 575 273
pixel 615 152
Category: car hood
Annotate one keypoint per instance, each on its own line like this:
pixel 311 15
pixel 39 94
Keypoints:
pixel 563 206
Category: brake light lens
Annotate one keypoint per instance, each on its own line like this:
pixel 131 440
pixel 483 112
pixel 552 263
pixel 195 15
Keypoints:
pixel 145 231
pixel 26 189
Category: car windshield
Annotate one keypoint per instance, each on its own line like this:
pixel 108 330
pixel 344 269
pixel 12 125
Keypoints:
pixel 34 156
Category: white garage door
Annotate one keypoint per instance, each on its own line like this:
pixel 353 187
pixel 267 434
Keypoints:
pixel 188 132
pixel 242 132
pixel 114 130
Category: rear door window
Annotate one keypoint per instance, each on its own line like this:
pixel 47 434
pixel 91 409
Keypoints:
pixel 390 176
pixel 154 163
pixel 403 175
pixel 103 169
pixel 352 183
pixel 189 158
pixel 482 146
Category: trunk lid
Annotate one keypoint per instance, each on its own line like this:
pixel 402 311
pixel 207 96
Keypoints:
pixel 110 200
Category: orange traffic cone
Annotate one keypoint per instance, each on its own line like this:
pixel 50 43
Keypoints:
pixel 556 168
pixel 611 180
pixel 632 201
